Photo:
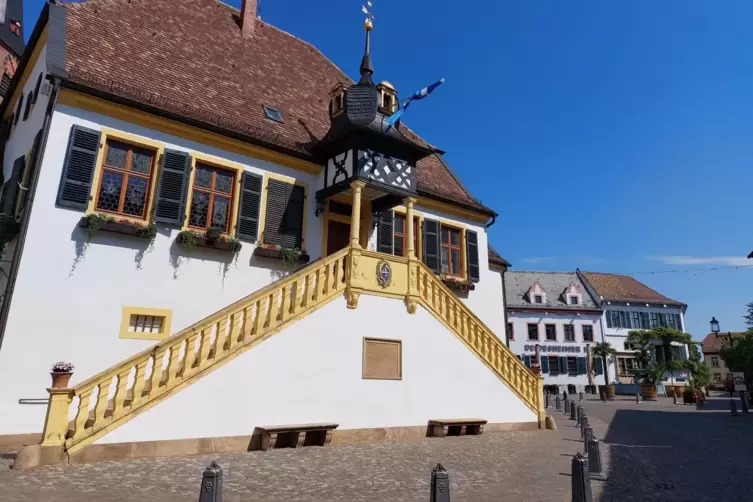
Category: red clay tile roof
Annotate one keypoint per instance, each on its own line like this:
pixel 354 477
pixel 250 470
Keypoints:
pixel 714 341
pixel 189 57
pixel 624 288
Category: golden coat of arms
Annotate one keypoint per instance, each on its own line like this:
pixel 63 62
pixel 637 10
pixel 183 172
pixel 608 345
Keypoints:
pixel 383 274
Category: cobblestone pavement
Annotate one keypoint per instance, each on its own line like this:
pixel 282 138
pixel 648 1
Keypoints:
pixel 661 451
pixel 493 467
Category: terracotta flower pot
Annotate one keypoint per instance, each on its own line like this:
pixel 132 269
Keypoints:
pixel 648 391
pixel 60 379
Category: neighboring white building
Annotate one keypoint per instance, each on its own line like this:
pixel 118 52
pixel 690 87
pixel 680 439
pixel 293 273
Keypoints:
pixel 163 203
pixel 553 311
pixel 631 305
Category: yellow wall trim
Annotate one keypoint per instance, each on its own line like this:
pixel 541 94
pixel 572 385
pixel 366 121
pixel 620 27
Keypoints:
pixel 121 112
pixel 125 320
pixel 26 74
pixel 453 210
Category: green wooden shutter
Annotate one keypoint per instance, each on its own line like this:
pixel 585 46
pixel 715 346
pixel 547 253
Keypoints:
pixel 78 168
pixel 36 89
pixel 544 364
pixel 527 361
pixel 431 245
pixel 582 366
pixel 11 189
pixel 471 244
pixel 248 210
pixel 385 229
pixel 172 189
pixel 599 366
pixel 563 365
pixel 293 219
pixel 277 201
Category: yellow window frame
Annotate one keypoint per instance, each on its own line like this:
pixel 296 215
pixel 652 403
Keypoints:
pixel 125 320
pixel 123 137
pixel 219 163
pixel 263 204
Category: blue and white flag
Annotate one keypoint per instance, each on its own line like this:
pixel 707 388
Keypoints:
pixel 392 119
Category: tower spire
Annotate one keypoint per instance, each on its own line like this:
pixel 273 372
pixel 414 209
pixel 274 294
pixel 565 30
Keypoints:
pixel 367 69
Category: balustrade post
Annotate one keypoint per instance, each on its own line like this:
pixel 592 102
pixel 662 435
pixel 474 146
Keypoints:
pixel 56 421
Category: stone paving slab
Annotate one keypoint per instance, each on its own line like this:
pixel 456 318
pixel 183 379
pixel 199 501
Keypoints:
pixel 498 466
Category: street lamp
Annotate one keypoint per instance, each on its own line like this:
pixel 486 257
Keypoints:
pixel 714 325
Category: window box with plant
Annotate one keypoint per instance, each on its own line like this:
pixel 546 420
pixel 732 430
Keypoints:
pixel 457 283
pixel 288 255
pixel 95 222
pixel 212 238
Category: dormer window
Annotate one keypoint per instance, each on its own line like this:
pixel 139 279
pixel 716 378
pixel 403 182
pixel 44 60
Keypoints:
pixel 573 300
pixel 539 299
pixel 387 98
pixel 536 294
pixel 572 295
pixel 337 100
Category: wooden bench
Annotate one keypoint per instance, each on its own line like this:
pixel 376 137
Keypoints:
pixel 456 427
pixel 295 436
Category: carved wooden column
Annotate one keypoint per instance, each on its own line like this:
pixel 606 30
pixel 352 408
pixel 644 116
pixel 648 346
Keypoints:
pixel 355 218
pixel 414 295
pixel 409 201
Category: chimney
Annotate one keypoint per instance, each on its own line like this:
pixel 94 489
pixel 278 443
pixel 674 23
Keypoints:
pixel 248 17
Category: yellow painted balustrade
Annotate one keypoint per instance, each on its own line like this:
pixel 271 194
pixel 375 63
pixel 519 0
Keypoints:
pixel 111 398
pixel 106 401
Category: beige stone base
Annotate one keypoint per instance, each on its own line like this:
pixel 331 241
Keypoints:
pixel 16 441
pixel 32 456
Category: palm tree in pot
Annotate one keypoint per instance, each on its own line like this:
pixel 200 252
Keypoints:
pixel 604 351
pixel 649 373
pixel 668 336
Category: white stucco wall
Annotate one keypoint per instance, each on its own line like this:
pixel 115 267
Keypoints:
pixel 68 297
pixel 67 304
pixel 520 321
pixel 311 372
pixel 618 336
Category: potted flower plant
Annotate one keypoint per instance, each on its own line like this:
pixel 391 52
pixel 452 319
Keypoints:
pixel 61 373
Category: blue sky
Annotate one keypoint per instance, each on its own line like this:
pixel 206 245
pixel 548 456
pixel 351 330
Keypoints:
pixel 609 135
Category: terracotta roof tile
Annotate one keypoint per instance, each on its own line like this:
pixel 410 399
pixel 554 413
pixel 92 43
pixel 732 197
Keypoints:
pixel 189 57
pixel 625 288
pixel 714 341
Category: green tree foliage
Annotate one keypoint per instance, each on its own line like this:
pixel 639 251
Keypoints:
pixel 737 353
pixel 644 341
pixel 749 316
pixel 604 350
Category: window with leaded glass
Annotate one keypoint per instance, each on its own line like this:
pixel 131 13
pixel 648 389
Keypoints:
pixel 588 333
pixel 401 235
pixel 551 332
pixel 569 333
pixel 125 179
pixel 211 198
pixel 450 244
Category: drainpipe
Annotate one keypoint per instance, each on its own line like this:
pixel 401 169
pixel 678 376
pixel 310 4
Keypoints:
pixel 16 261
pixel 504 299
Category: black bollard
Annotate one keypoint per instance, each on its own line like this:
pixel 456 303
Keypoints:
pixel 579 412
pixel 588 435
pixel 604 397
pixel 546 400
pixel 674 397
pixel 211 484
pixel 564 395
pixel 594 461
pixel 733 407
pixel 567 406
pixel 580 396
pixel 583 425
pixel 440 485
pixel 572 411
pixel 637 398
pixel 557 403
pixel 581 482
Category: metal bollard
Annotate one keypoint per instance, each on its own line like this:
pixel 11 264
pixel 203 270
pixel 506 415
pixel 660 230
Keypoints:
pixel 594 461
pixel 579 412
pixel 588 435
pixel 674 397
pixel 637 398
pixel 440 485
pixel 557 403
pixel 572 411
pixel 580 396
pixel 546 400
pixel 211 484
pixel 581 482
pixel 583 425
pixel 567 406
pixel 733 407
pixel 604 397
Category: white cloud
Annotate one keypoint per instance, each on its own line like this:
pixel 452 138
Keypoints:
pixel 731 261
pixel 538 259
